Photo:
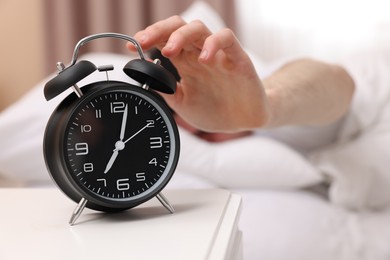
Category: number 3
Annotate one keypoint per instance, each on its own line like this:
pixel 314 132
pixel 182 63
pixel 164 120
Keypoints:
pixel 155 142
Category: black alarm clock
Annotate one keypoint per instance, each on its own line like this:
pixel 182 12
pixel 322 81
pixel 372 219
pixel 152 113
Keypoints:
pixel 111 145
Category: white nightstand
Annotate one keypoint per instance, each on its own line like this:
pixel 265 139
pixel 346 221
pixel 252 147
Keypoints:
pixel 34 225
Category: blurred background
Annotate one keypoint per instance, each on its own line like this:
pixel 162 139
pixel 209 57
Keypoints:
pixel 36 34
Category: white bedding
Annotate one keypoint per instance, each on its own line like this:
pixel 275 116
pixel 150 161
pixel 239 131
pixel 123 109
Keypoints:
pixel 280 218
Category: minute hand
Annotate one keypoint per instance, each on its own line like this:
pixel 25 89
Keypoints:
pixel 139 131
pixel 123 126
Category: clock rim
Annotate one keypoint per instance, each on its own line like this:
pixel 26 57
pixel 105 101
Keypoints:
pixel 54 140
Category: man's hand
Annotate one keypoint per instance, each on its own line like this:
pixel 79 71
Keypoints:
pixel 219 88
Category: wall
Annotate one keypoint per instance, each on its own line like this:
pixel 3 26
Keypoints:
pixel 21 48
pixel 274 29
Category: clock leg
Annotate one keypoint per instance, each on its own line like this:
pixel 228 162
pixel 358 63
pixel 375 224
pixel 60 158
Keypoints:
pixel 77 211
pixel 163 200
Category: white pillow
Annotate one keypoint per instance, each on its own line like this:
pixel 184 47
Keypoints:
pixel 249 162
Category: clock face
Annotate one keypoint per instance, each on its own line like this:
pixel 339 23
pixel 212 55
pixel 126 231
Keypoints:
pixel 120 144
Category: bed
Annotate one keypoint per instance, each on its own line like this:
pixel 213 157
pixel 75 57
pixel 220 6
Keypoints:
pixel 291 209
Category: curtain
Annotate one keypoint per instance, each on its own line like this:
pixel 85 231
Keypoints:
pixel 66 22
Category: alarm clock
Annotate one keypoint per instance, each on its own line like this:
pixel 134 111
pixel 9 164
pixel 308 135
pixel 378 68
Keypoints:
pixel 111 145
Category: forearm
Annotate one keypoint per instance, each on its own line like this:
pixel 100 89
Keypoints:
pixel 308 92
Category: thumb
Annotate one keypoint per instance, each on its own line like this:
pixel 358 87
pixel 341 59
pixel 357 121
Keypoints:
pixel 173 100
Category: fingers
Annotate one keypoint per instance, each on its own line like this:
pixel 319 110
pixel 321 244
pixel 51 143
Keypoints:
pixel 224 40
pixel 188 37
pixel 158 33
pixel 174 35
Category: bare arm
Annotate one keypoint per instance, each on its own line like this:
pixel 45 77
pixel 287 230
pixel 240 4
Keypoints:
pixel 308 92
pixel 220 90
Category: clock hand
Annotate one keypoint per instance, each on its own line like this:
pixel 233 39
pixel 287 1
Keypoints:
pixel 139 131
pixel 119 145
pixel 123 127
pixel 111 161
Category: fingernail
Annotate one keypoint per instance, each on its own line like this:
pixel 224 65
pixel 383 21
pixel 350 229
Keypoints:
pixel 203 55
pixel 169 46
pixel 143 38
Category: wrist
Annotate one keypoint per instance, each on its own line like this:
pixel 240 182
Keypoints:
pixel 274 104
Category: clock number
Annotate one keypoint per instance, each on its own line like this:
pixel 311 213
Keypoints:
pixel 85 128
pixel 98 113
pixel 104 181
pixel 155 142
pixel 81 148
pixel 117 107
pixel 150 123
pixel 140 176
pixel 122 184
pixel 88 167
pixel 153 161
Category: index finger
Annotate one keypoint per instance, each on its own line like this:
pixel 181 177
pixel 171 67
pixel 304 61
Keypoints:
pixel 157 34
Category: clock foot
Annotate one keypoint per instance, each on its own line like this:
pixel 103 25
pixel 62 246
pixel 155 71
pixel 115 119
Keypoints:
pixel 77 211
pixel 163 200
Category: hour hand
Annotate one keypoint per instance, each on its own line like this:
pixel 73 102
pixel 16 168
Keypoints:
pixel 111 161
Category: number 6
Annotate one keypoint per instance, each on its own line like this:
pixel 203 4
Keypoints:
pixel 122 184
